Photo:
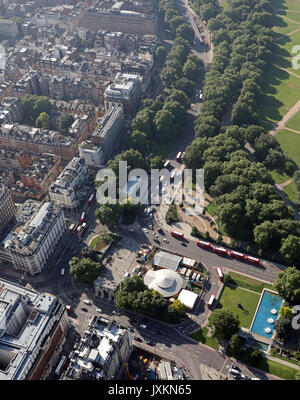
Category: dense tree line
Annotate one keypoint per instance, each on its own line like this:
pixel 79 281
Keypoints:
pixel 249 208
pixel 134 295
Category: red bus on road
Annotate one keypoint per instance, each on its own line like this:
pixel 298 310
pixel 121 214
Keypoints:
pixel 252 260
pixel 83 216
pixel 211 302
pixel 201 243
pixel 236 254
pixel 91 198
pixel 220 250
pixel 178 235
pixel 220 274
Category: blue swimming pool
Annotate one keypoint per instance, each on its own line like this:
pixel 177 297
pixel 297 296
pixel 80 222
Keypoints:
pixel 268 302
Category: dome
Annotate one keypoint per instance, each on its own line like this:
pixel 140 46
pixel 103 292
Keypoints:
pixel 168 283
pixel 164 282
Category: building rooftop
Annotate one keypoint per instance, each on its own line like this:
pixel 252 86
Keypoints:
pixel 166 260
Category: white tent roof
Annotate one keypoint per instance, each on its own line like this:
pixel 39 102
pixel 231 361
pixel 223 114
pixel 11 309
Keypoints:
pixel 166 282
pixel 188 298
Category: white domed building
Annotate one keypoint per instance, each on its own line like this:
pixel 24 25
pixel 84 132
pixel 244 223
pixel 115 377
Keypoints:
pixel 168 283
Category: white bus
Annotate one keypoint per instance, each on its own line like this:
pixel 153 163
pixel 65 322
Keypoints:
pixel 211 302
pixel 220 274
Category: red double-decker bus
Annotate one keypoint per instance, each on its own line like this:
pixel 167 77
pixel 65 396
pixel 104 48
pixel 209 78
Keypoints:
pixel 201 243
pixel 176 234
pixel 220 250
pixel 252 260
pixel 220 274
pixel 236 254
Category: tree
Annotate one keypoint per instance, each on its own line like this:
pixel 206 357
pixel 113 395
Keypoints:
pixel 43 121
pixel 235 344
pixel 176 310
pixel 156 162
pixel 290 248
pixel 138 141
pixel 84 270
pixel 288 285
pixel 109 213
pixel 224 324
pixel 186 32
pixel 87 252
pixel 175 22
pixel 191 70
pixel 164 122
pixel 65 121
pixel 283 327
pixel 143 122
pixel 286 312
pixel 160 54
pixel 134 160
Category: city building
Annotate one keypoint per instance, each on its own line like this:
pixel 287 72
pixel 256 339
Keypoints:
pixel 117 19
pixel 124 92
pixel 34 238
pixel 72 184
pixel 102 353
pixel 93 155
pixel 109 131
pixel 105 288
pixel 7 207
pixel 8 29
pixel 33 330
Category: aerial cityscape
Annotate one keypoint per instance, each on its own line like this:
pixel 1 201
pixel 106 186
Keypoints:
pixel 150 192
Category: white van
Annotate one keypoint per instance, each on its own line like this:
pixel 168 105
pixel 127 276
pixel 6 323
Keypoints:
pixel 62 272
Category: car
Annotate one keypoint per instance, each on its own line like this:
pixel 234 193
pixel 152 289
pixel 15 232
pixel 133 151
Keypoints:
pixel 137 339
pixel 84 309
pixel 234 371
pixel 246 377
pixel 157 241
pixel 183 244
pixel 156 235
pixel 166 240
pixel 235 367
pixel 99 310
pixel 237 376
pixel 145 230
pixel 116 312
pixel 143 326
pixel 131 329
pixel 150 343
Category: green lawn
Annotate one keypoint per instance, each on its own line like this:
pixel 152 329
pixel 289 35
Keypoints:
pixel 280 92
pixel 283 26
pixel 291 191
pixel 97 243
pixel 249 283
pixel 293 16
pixel 212 208
pixel 294 123
pixel 290 142
pixel 288 5
pixel 201 336
pixel 231 296
pixel 278 176
pixel 271 367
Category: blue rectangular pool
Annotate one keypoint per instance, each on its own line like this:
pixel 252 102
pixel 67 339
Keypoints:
pixel 265 319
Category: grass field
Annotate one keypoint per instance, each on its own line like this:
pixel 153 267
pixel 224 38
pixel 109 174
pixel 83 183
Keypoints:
pixel 249 283
pixel 281 91
pixel 279 177
pixel 287 5
pixel 290 142
pixel 294 123
pixel 284 27
pixel 232 295
pixel 97 244
pixel 271 367
pixel 201 336
pixel 212 209
pixel 291 191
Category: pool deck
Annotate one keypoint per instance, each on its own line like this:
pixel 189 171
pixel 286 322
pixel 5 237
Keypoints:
pixel 247 334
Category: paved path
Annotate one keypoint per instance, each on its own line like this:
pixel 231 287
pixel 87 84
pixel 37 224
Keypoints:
pixel 283 362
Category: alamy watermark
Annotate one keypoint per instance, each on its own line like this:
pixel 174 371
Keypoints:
pixel 164 186
pixel 296 318
pixel 296 58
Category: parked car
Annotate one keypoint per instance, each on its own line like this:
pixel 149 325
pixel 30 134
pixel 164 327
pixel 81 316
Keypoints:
pixel 99 310
pixel 234 371
pixel 150 343
pixel 84 309
pixel 143 326
pixel 166 240
pixel 137 339
pixel 235 367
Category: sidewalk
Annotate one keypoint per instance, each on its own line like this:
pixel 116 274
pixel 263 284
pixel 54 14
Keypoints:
pixel 283 362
